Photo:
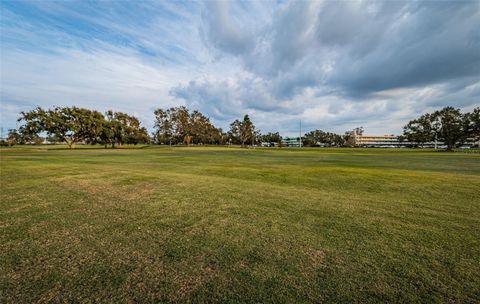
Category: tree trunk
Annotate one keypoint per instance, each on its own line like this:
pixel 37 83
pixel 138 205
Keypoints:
pixel 450 146
pixel 69 144
pixel 187 139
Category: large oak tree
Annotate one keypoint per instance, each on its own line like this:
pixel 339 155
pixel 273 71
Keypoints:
pixel 72 125
pixel 447 125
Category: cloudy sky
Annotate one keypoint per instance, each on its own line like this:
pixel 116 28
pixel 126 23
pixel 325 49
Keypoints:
pixel 333 65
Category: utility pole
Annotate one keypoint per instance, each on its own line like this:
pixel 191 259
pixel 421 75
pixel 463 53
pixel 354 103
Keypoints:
pixel 435 141
pixel 300 133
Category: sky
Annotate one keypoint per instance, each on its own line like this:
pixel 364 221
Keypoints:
pixel 333 65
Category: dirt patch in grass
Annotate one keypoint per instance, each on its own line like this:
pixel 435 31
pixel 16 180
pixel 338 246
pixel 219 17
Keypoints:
pixel 316 257
pixel 108 190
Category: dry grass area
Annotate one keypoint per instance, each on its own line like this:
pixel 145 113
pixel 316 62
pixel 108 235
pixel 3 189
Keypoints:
pixel 209 224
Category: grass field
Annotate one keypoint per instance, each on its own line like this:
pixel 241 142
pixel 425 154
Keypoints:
pixel 163 224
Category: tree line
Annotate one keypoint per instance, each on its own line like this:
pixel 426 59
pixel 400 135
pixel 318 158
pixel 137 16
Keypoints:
pixel 448 125
pixel 73 125
pixel 179 125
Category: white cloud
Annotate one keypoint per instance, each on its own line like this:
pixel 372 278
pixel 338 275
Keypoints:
pixel 100 80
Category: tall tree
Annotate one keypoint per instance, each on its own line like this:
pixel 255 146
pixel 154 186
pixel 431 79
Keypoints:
pixel 473 119
pixel 179 125
pixel 242 132
pixel 163 127
pixel 450 126
pixel 120 128
pixel 181 122
pixel 247 131
pixel 234 132
pixel 420 130
pixel 200 128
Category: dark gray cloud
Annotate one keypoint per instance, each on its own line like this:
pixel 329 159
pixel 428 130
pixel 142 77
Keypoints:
pixel 426 44
pixel 414 55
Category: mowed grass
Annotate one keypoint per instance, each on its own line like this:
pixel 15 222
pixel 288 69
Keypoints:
pixel 163 224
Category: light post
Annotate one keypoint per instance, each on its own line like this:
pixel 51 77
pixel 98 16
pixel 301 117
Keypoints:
pixel 300 133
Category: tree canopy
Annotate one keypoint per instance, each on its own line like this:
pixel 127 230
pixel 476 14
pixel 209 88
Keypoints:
pixel 419 130
pixel 270 138
pixel 447 125
pixel 243 132
pixel 321 138
pixel 72 125
pixel 179 125
pixel 474 124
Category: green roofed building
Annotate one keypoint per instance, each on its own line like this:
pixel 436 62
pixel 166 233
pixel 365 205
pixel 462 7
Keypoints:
pixel 291 141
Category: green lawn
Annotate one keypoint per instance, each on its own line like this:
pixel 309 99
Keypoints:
pixel 163 224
